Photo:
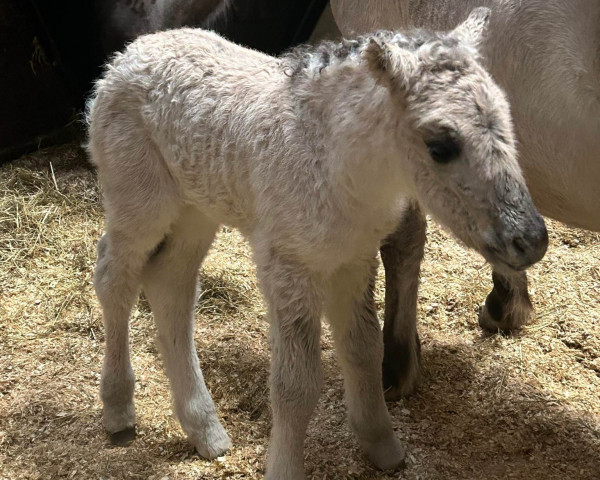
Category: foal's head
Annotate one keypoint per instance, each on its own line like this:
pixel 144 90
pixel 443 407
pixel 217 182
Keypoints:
pixel 462 158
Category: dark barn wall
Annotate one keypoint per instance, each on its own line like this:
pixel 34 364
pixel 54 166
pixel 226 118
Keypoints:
pixel 49 55
pixel 52 50
pixel 35 97
pixel 73 29
pixel 271 26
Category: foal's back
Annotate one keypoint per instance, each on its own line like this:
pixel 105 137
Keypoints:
pixel 199 103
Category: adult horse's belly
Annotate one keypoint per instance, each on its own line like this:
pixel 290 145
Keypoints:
pixel 562 169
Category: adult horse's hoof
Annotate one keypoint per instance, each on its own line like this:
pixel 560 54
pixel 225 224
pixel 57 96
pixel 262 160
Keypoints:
pixel 506 324
pixel 401 368
pixel 507 307
pixel 505 313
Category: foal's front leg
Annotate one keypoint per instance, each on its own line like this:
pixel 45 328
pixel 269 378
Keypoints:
pixel 294 299
pixel 350 308
pixel 401 254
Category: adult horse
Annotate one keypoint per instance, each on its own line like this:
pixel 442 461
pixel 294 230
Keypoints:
pixel 546 56
pixel 121 21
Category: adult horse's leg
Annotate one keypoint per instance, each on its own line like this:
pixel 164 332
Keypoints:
pixel 507 307
pixel 402 253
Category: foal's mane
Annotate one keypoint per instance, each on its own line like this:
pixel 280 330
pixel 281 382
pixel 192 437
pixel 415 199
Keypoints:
pixel 309 60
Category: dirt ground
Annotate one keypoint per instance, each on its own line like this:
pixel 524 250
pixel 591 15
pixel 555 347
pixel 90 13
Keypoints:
pixel 525 406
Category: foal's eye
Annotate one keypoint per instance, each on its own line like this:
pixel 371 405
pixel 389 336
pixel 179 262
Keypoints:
pixel 443 151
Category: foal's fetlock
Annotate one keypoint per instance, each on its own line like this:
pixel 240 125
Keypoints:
pixel 379 442
pixel 211 441
pixel 284 462
pixel 386 453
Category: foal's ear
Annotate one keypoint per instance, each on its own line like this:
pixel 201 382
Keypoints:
pixel 473 29
pixel 390 64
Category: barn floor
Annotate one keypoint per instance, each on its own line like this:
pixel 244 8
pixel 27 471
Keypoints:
pixel 523 406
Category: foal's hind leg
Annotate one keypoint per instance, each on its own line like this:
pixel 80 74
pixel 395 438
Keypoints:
pixel 508 306
pixel 401 254
pixel 116 280
pixel 169 283
pixel 350 308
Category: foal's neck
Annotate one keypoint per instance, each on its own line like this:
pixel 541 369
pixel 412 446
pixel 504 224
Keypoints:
pixel 359 126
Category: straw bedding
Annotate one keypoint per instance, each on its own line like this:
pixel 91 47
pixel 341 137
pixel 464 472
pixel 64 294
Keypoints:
pixel 520 406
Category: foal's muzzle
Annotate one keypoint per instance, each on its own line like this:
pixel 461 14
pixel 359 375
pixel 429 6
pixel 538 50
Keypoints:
pixel 519 244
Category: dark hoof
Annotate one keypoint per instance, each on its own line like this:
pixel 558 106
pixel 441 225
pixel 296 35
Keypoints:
pixel 507 307
pixel 123 438
pixel 489 324
pixel 401 369
pixel 401 388
pixel 493 319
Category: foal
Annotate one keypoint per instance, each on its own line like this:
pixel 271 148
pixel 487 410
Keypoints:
pixel 312 156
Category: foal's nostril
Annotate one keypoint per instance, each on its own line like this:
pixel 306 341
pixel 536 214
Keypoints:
pixel 529 247
pixel 520 245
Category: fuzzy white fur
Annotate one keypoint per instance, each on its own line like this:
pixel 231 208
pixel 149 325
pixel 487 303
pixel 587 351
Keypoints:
pixel 312 156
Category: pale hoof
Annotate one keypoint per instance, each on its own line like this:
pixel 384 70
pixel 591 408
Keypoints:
pixel 386 454
pixel 214 443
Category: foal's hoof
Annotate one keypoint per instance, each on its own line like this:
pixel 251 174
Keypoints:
pixel 123 438
pixel 386 455
pixel 119 422
pixel 214 443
